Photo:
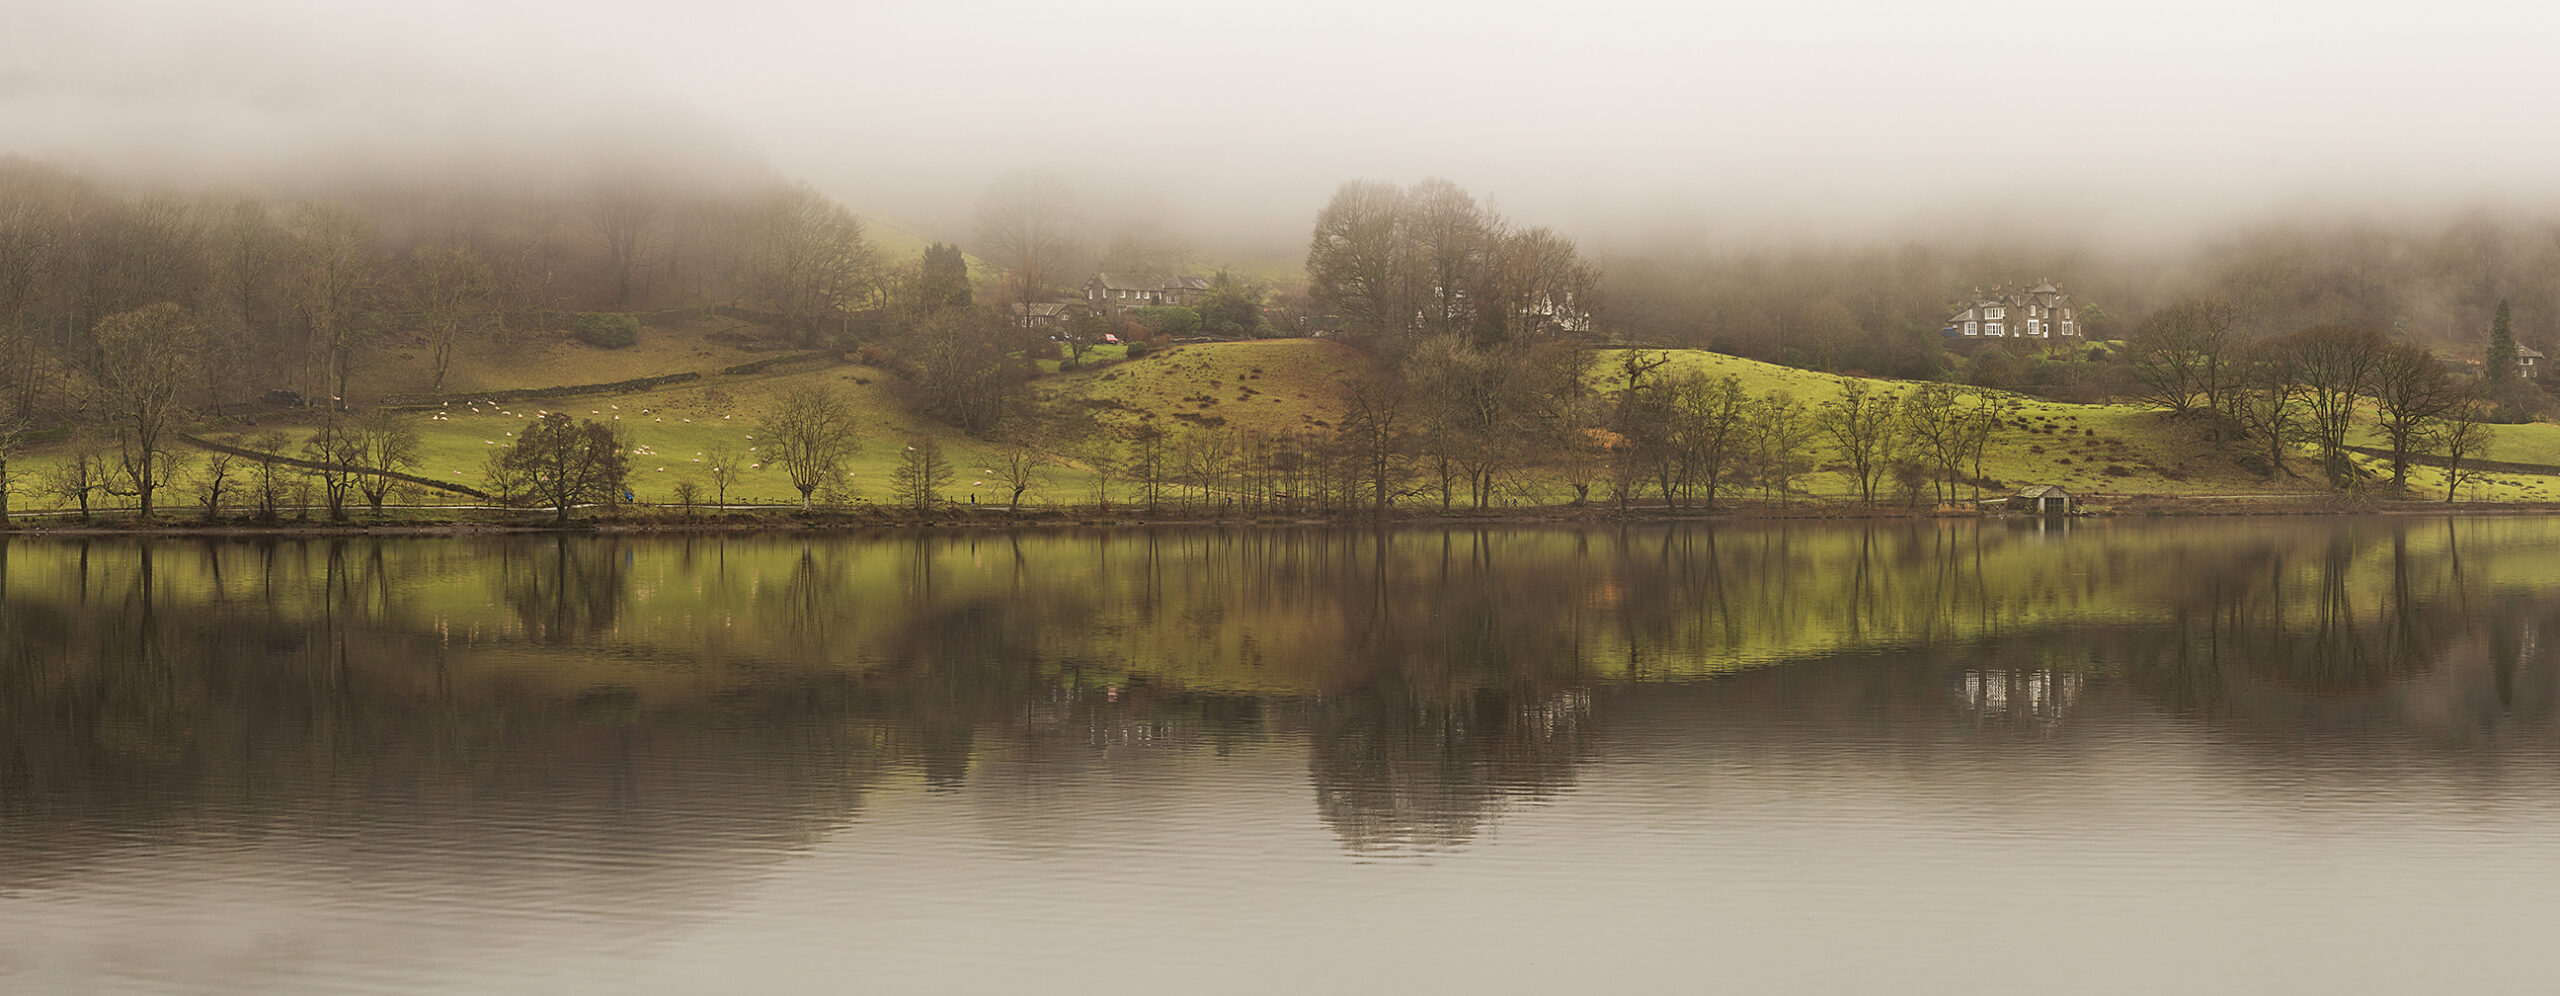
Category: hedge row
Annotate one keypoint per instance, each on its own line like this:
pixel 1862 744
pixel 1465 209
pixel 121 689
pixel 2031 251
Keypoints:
pixel 770 362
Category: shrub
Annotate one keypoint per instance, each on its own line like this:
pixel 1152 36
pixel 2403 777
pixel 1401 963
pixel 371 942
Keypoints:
pixel 897 366
pixel 1139 348
pixel 605 330
pixel 1168 320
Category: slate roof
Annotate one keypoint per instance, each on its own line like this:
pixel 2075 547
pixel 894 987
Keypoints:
pixel 1149 282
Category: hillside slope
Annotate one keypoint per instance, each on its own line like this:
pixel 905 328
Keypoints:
pixel 1269 386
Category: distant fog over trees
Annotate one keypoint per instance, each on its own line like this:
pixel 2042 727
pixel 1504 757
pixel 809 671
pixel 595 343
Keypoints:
pixel 1878 307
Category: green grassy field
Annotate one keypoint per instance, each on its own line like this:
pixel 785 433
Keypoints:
pixel 1269 386
pixel 2088 449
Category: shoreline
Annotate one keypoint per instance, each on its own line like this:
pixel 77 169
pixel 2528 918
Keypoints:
pixel 793 521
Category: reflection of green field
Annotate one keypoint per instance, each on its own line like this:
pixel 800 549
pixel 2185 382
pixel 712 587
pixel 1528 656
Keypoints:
pixel 1280 611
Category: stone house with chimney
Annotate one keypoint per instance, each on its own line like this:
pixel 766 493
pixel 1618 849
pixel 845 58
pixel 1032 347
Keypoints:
pixel 1113 293
pixel 2042 312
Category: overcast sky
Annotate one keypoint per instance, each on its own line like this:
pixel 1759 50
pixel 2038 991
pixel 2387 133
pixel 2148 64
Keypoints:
pixel 1843 114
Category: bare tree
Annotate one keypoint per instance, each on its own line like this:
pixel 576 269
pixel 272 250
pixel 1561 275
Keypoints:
pixel 250 257
pixel 2336 365
pixel 1945 430
pixel 809 430
pixel 1860 425
pixel 2181 358
pixel 806 259
pixel 1534 285
pixel 725 465
pixel 144 358
pixel 1451 240
pixel 452 287
pixel 2267 400
pixel 622 211
pixel 1144 248
pixel 386 445
pixel 2411 392
pixel 1019 468
pixel 921 474
pixel 1357 259
pixel 1148 465
pixel 1373 431
pixel 1205 457
pixel 333 276
pixel 216 475
pixel 1782 434
pixel 337 458
pixel 2463 433
pixel 79 479
pixel 14 427
pixel 1709 418
pixel 1027 227
pixel 273 478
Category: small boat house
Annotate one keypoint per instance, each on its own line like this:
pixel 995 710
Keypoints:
pixel 2044 499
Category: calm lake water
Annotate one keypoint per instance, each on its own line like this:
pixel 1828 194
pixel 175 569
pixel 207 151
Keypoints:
pixel 2220 756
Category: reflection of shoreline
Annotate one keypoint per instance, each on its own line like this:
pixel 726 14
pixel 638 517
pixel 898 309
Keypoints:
pixel 1443 674
pixel 886 522
pixel 1282 610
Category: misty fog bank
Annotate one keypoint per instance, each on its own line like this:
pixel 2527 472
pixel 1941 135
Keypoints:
pixel 1623 123
pixel 1796 181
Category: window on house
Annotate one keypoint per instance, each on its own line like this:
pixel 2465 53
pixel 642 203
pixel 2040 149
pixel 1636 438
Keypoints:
pixel 1994 312
pixel 1973 328
pixel 1992 329
pixel 2034 327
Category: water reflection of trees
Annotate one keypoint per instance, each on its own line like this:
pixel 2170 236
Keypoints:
pixel 1439 677
pixel 1394 772
pixel 2361 608
pixel 563 589
pixel 137 706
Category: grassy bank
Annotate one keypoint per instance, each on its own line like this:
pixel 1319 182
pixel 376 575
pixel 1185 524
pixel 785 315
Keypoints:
pixel 2118 454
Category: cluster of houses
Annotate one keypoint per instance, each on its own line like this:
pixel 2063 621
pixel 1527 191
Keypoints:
pixel 1110 294
pixel 2044 312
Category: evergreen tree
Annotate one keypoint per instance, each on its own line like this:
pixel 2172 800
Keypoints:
pixel 945 280
pixel 2501 361
pixel 1231 307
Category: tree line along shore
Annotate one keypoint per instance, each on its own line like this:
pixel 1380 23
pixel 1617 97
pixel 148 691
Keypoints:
pixel 1436 359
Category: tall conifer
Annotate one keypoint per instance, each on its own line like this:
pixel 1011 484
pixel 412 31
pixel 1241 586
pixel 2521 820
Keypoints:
pixel 2500 364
